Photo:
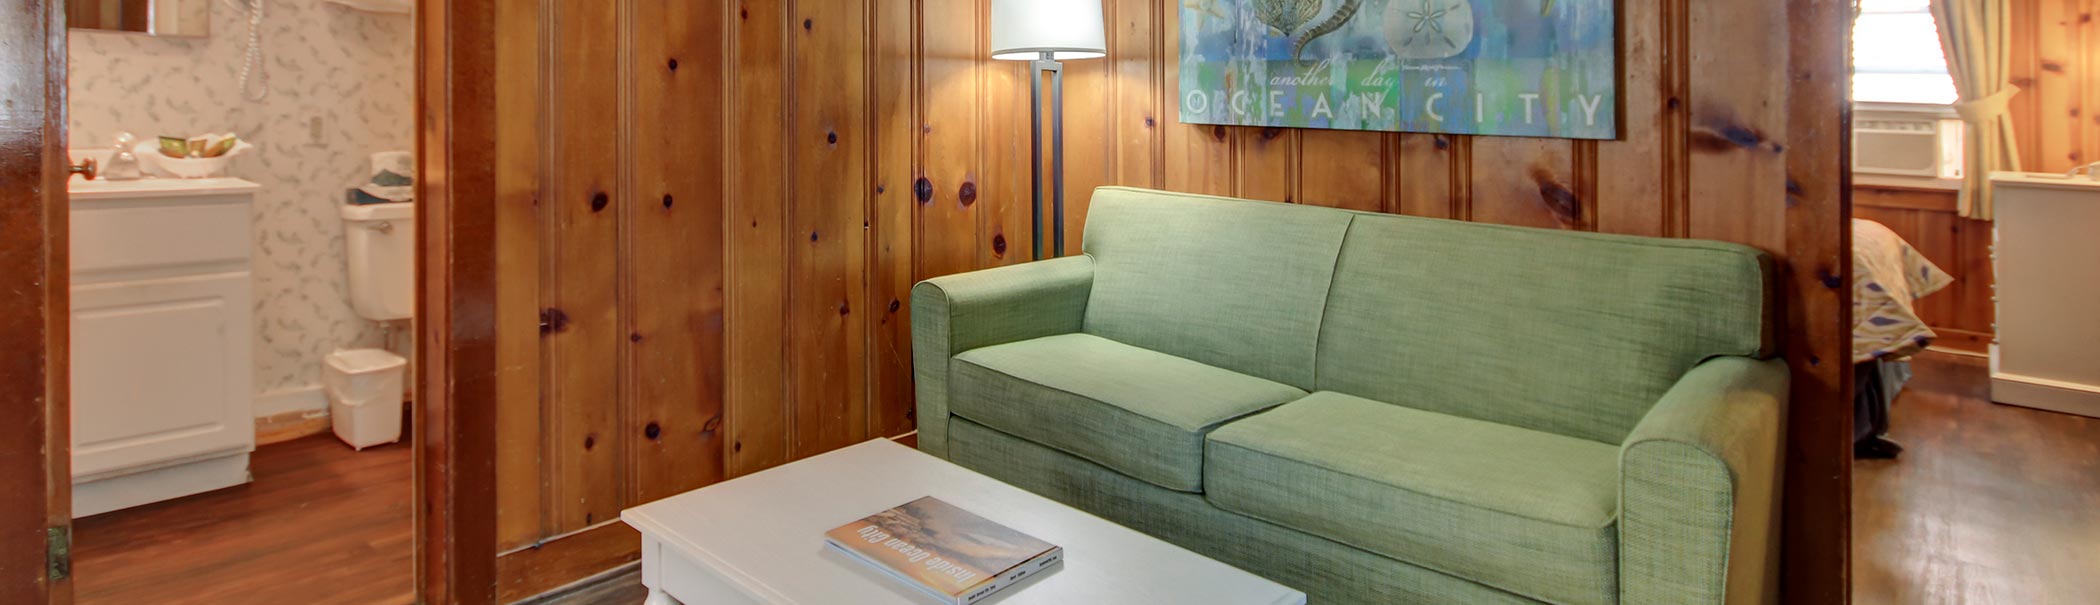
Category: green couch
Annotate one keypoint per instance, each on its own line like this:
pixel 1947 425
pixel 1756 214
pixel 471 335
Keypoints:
pixel 1376 408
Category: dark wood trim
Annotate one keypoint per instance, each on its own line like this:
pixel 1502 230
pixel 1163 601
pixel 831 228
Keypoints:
pixel 563 560
pixel 1816 539
pixel 455 302
pixel 1965 341
pixel 1905 198
pixel 35 461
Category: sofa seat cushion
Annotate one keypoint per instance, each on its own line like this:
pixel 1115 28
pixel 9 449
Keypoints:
pixel 1140 412
pixel 1525 511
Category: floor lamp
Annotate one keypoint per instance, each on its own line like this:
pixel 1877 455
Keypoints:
pixel 1045 33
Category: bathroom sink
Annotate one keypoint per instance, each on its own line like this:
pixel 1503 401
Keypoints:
pixel 101 189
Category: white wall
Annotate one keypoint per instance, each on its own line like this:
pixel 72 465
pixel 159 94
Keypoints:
pixel 352 70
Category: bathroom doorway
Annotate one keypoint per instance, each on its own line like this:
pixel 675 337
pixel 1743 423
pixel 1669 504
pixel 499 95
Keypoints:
pixel 207 397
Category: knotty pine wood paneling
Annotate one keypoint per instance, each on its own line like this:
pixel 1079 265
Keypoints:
pixel 2052 64
pixel 583 201
pixel 2055 61
pixel 949 93
pixel 1339 185
pixel 673 299
pixel 612 238
pixel 756 236
pixel 864 145
pixel 827 171
pixel 891 209
pixel 521 480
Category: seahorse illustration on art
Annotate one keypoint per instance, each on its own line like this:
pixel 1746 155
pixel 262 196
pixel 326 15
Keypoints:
pixel 1341 17
pixel 1286 16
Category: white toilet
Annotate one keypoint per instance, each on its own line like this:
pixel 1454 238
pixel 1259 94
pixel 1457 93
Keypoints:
pixel 381 239
pixel 365 385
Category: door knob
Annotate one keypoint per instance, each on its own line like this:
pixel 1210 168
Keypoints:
pixel 85 168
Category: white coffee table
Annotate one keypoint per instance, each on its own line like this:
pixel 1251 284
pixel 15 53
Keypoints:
pixel 759 539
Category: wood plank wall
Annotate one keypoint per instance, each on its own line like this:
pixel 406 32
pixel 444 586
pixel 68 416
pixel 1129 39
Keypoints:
pixel 721 251
pixel 610 309
pixel 2056 63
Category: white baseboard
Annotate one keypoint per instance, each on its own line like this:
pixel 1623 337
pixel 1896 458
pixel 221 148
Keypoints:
pixel 2044 394
pixel 307 398
pixel 126 491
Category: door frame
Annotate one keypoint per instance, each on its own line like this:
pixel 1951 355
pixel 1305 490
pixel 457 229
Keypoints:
pixel 454 462
pixel 456 278
pixel 35 450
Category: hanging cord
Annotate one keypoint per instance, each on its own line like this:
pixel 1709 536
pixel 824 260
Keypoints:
pixel 252 69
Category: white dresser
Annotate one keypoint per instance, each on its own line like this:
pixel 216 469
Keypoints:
pixel 163 388
pixel 2047 257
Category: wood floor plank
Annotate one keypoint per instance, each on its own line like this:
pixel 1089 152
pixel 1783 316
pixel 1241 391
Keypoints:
pixel 321 524
pixel 1988 503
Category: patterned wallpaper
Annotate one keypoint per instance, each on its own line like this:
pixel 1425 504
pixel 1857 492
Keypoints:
pixel 353 71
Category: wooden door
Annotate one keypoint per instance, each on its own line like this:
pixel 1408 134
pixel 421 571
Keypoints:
pixel 35 482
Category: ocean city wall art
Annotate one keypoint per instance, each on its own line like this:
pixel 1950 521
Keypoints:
pixel 1533 68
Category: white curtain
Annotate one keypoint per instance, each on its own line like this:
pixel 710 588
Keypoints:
pixel 1975 34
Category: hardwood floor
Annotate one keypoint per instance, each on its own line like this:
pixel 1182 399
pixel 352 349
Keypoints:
pixel 1987 504
pixel 321 524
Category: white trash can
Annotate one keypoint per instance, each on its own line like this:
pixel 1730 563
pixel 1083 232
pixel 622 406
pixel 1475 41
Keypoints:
pixel 364 396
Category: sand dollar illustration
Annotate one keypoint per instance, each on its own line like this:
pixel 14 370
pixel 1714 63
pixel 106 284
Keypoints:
pixel 1428 29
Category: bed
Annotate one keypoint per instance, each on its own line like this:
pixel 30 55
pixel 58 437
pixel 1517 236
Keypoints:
pixel 1889 276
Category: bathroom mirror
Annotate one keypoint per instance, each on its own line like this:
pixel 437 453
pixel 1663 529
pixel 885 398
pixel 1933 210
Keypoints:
pixel 182 18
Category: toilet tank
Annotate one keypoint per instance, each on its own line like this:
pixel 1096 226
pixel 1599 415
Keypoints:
pixel 381 241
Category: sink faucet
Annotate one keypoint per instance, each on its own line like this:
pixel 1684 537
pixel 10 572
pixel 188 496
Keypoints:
pixel 123 164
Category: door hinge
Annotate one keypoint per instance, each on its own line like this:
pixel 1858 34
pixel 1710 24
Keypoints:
pixel 58 552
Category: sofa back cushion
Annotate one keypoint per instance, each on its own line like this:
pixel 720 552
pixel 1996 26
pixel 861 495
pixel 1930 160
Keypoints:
pixel 1235 284
pixel 1571 333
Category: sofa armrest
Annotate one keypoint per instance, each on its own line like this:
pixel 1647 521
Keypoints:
pixel 965 311
pixel 1699 488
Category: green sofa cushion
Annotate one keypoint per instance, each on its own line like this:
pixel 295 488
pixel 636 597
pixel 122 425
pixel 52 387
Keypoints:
pixel 1330 573
pixel 1140 412
pixel 1525 511
pixel 1570 333
pixel 1231 283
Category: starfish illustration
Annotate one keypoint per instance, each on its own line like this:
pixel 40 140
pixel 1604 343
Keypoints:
pixel 1430 17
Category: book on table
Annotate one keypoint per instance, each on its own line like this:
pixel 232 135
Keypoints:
pixel 944 551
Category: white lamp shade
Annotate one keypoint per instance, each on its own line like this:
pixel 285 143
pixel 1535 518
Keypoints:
pixel 1023 30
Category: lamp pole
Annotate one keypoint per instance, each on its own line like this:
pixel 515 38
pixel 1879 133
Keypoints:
pixel 1045 33
pixel 1047 63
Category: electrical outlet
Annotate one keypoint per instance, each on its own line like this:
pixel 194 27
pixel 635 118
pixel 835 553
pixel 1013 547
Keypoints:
pixel 314 128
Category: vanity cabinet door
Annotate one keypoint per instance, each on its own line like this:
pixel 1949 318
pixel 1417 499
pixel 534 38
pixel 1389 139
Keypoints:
pixel 162 372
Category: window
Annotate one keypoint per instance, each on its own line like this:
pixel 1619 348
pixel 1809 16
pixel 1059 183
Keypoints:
pixel 1896 55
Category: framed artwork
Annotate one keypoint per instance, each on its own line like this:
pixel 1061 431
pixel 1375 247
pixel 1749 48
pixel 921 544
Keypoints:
pixel 1533 68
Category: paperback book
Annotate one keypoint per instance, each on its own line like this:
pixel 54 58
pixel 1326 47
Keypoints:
pixel 947 552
